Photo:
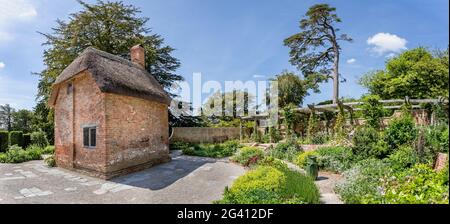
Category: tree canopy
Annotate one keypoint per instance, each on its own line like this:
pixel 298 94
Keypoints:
pixel 108 26
pixel 291 89
pixel 416 73
pixel 315 50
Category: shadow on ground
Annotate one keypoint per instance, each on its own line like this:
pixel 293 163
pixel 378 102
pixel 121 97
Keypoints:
pixel 163 175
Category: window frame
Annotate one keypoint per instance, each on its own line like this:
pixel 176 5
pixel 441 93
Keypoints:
pixel 89 129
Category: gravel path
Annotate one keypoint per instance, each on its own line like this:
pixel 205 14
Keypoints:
pixel 326 183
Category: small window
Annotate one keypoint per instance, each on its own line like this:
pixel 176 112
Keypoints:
pixel 69 88
pixel 90 137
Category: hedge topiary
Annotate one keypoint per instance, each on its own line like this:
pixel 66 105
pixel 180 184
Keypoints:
pixel 4 141
pixel 26 140
pixel 16 138
pixel 39 138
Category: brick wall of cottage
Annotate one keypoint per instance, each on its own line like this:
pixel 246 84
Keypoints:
pixel 82 106
pixel 137 132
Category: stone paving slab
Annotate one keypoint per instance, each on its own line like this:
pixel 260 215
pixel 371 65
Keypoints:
pixel 185 179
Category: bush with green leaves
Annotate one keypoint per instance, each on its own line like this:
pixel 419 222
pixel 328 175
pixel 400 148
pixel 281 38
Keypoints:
pixel 248 156
pixel 405 157
pixel 362 181
pixel 368 143
pixel 437 138
pixel 303 157
pixel 16 154
pixel 272 185
pixel 275 134
pixel 50 149
pixel 212 150
pixel 335 159
pixel 26 140
pixel 39 138
pixel 16 138
pixel 418 185
pixel 373 110
pixel 179 145
pixel 50 161
pixel 400 131
pixel 4 141
pixel 285 151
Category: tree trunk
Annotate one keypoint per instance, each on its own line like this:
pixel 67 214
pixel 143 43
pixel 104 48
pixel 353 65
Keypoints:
pixel 336 76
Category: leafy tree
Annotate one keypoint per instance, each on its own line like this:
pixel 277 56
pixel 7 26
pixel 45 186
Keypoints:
pixel 22 121
pixel 109 26
pixel 6 116
pixel 417 73
pixel 231 104
pixel 315 51
pixel 291 89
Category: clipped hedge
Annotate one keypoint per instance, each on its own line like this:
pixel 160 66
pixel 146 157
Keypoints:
pixel 4 141
pixel 26 140
pixel 16 138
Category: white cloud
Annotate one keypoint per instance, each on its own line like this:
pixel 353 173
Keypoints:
pixel 351 61
pixel 386 43
pixel 11 12
pixel 2 65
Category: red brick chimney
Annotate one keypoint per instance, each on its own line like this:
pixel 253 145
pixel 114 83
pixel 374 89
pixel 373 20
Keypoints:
pixel 138 55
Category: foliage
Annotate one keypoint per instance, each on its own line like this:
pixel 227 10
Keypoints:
pixel 289 119
pixel 212 150
pixel 26 140
pixel 16 154
pixel 303 157
pixel 39 138
pixel 50 149
pixel 405 157
pixel 6 117
pixel 437 138
pixel 108 26
pixel 50 161
pixel 319 138
pixel 4 141
pixel 291 89
pixel 312 126
pixel 275 134
pixel 230 104
pixel 271 184
pixel 285 151
pixel 179 145
pixel 416 73
pixel 16 138
pixel 400 131
pixel 417 185
pixel 22 121
pixel 335 159
pixel 339 126
pixel 363 180
pixel 315 50
pixel 373 110
pixel 368 143
pixel 248 156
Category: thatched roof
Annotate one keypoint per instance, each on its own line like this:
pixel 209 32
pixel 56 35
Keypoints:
pixel 113 74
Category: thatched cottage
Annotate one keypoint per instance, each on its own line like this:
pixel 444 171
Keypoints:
pixel 111 115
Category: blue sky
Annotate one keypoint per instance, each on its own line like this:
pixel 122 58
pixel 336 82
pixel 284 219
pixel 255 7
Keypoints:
pixel 230 40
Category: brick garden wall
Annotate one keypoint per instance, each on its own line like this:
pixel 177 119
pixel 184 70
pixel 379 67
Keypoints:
pixel 204 134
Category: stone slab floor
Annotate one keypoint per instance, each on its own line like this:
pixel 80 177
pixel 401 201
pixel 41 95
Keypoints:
pixel 183 180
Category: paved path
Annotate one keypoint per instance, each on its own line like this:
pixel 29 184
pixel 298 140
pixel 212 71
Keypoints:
pixel 183 180
pixel 326 183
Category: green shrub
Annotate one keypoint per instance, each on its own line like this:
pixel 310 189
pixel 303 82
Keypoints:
pixel 269 185
pixel 16 138
pixel 4 141
pixel 50 149
pixel 212 150
pixel 437 138
pixel 286 151
pixel 50 161
pixel 39 138
pixel 247 156
pixel 362 181
pixel 302 158
pixel 335 159
pixel 16 154
pixel 400 131
pixel 405 157
pixel 367 143
pixel 373 110
pixel 26 140
pixel 275 134
pixel 417 185
pixel 179 145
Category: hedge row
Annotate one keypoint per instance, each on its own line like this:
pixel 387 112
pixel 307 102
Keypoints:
pixel 20 139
